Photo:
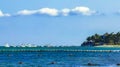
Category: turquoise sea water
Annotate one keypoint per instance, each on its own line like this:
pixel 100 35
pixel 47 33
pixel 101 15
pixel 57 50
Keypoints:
pixel 59 57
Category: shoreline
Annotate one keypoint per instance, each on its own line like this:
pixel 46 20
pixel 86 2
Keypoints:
pixel 108 46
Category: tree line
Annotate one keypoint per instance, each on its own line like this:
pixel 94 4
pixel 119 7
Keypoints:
pixel 105 39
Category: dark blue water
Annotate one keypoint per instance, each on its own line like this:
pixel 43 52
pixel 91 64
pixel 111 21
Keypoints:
pixel 59 59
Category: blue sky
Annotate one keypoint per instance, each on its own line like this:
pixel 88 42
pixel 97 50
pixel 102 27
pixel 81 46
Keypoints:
pixel 63 22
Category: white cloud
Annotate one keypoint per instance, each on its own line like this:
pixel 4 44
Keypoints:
pixel 78 11
pixel 49 11
pixel 26 12
pixel 83 10
pixel 4 14
pixel 42 11
pixel 65 12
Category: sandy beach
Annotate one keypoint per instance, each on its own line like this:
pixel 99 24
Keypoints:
pixel 109 46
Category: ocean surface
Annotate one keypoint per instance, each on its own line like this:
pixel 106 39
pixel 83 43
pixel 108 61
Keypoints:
pixel 55 57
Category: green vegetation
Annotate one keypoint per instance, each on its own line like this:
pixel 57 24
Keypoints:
pixel 105 39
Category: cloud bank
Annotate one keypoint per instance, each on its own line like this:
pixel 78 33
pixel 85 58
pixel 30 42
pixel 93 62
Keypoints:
pixel 55 12
pixel 80 10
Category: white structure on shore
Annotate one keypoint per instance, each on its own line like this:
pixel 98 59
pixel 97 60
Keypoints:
pixel 22 45
pixel 7 45
pixel 27 45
